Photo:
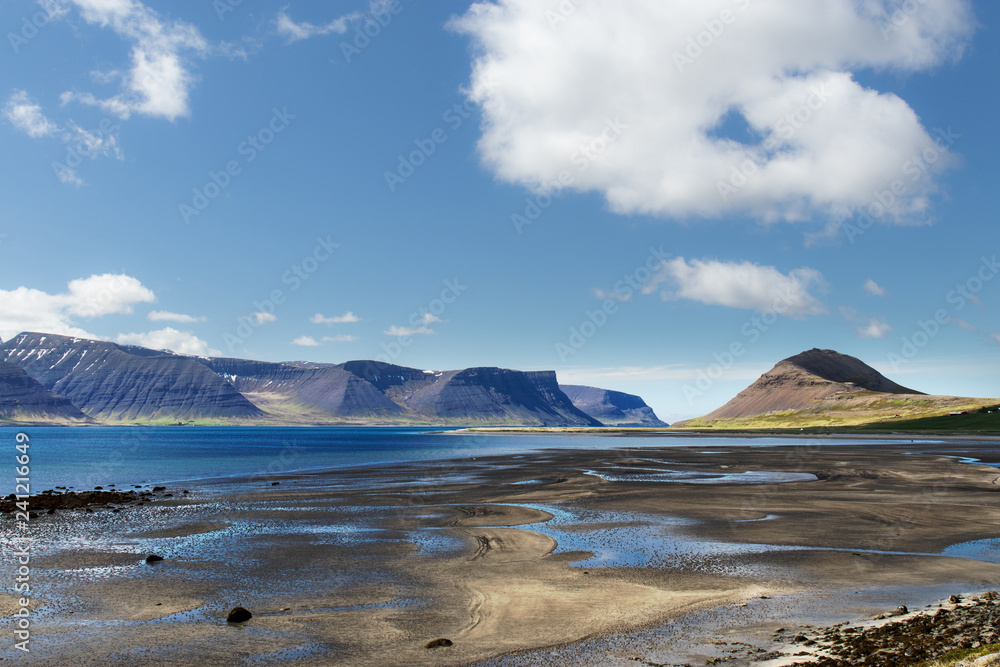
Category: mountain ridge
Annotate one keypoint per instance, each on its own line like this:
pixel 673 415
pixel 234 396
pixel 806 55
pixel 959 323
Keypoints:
pixel 114 383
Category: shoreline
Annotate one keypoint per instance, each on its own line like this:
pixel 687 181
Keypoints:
pixel 510 553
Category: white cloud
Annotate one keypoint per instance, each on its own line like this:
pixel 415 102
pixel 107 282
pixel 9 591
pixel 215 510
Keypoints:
pixel 26 309
pixel 612 294
pixel 306 341
pixel 181 342
pixel 964 325
pixel 166 316
pixel 26 115
pixel 309 341
pixel 263 318
pixel 106 294
pixel 739 285
pixel 995 337
pixel 407 331
pixel 874 288
pixel 875 328
pixel 430 318
pixel 293 32
pixel 340 339
pixel 158 82
pixel 347 317
pixel 548 88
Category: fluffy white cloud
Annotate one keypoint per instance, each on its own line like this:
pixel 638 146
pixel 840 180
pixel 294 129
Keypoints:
pixel 26 115
pixel 306 341
pixel 654 103
pixel 26 309
pixel 875 328
pixel 181 342
pixel 407 331
pixel 739 285
pixel 166 316
pixel 874 288
pixel 158 82
pixel 347 317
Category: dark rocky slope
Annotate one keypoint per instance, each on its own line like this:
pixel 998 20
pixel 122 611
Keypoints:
pixel 612 408
pixel 113 382
pixel 24 399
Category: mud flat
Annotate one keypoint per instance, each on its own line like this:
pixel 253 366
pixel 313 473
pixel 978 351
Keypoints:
pixel 654 555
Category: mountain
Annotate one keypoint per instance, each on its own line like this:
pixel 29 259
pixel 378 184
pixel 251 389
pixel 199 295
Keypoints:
pixel 612 408
pixel 24 399
pixel 373 391
pixel 126 383
pixel 497 396
pixel 305 392
pixel 826 388
pixel 121 383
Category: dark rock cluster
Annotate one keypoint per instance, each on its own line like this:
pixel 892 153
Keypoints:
pixel 52 500
pixel 912 639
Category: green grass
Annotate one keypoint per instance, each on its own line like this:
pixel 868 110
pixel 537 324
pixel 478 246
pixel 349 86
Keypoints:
pixel 953 657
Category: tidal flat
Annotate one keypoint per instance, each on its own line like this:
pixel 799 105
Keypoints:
pixel 654 555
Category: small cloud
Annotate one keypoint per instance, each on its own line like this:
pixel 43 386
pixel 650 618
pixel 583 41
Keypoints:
pixel 309 341
pixel 617 296
pixel 430 318
pixel 407 331
pixel 26 115
pixel 166 316
pixel 340 339
pixel 994 336
pixel 876 328
pixel 181 342
pixel 964 326
pixel 262 318
pixel 874 288
pixel 293 32
pixel 318 318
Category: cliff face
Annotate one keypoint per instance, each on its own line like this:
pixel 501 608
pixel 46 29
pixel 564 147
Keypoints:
pixel 126 383
pixel 612 408
pixel 497 396
pixel 24 399
pixel 310 391
pixel 796 383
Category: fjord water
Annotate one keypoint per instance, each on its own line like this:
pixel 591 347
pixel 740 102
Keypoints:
pixel 85 457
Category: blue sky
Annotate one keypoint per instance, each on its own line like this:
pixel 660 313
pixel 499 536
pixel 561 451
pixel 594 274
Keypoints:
pixel 647 196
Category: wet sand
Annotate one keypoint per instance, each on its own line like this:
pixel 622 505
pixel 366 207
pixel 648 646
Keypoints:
pixel 555 557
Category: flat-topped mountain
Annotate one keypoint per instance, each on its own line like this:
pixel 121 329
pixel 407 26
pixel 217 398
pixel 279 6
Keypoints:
pixel 826 388
pixel 111 382
pixel 123 383
pixel 612 408
pixel 360 391
pixel 24 400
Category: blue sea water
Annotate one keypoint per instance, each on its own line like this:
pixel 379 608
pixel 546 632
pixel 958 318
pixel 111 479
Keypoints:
pixel 85 457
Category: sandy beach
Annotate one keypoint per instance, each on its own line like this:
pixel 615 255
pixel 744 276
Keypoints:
pixel 621 556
